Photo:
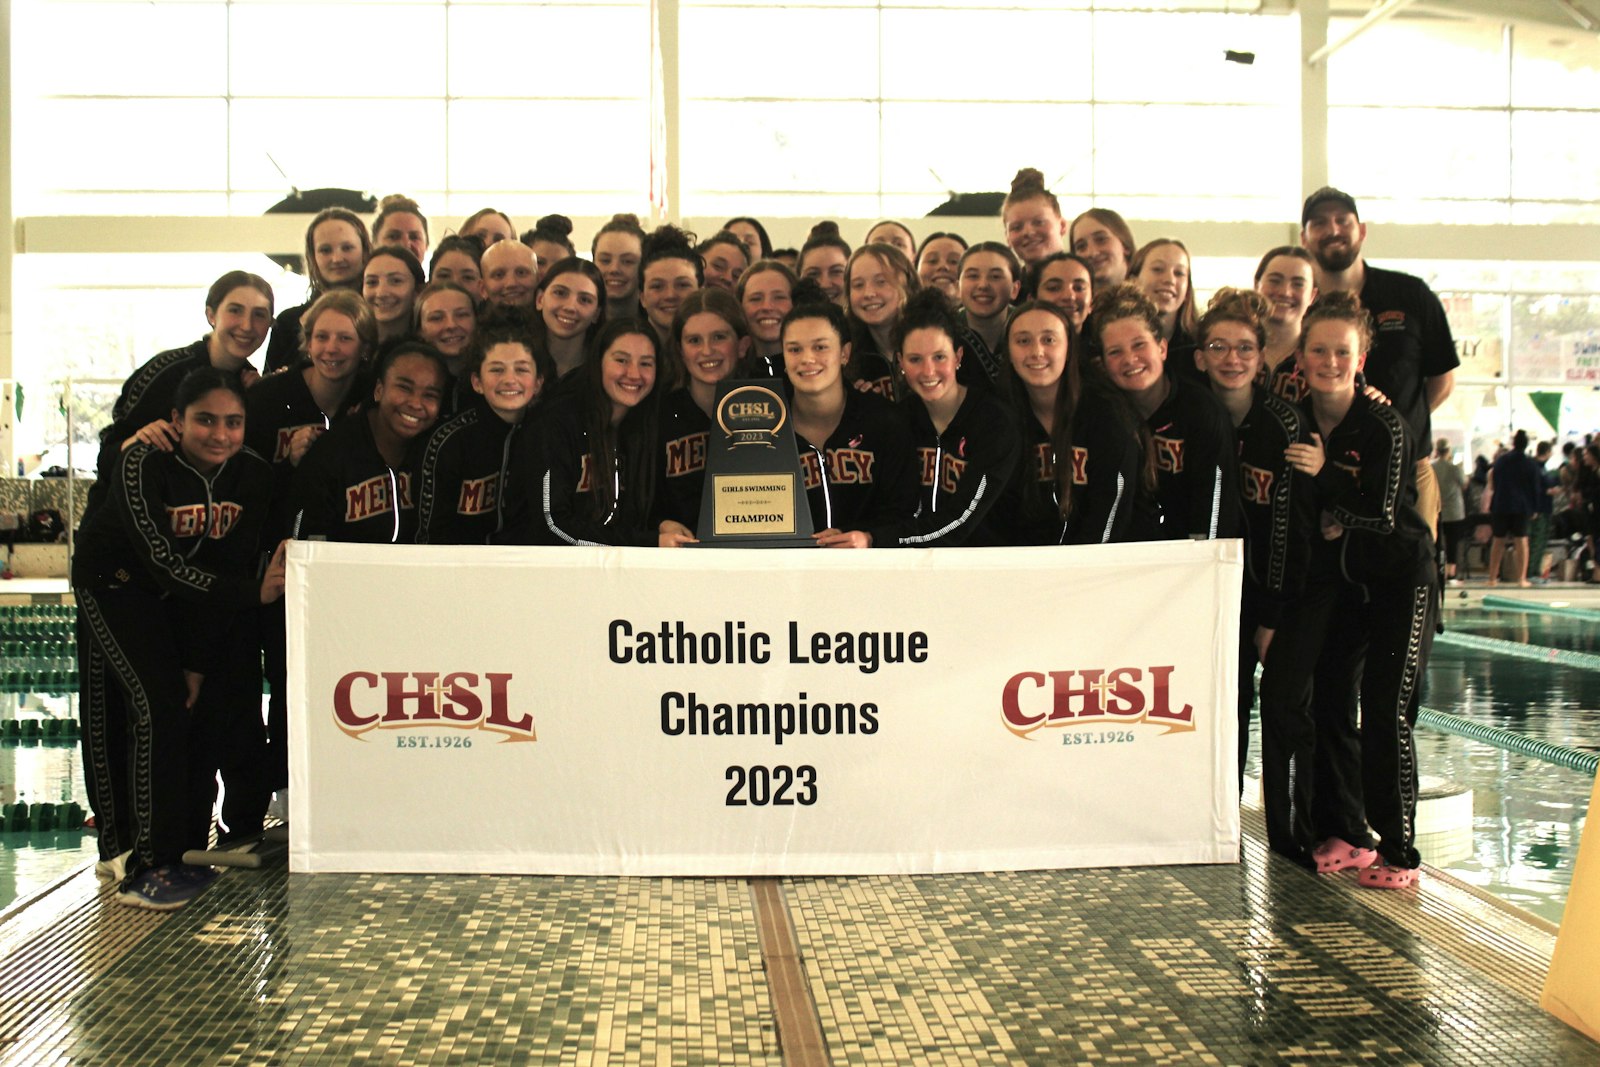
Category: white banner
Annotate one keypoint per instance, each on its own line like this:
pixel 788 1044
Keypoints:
pixel 761 713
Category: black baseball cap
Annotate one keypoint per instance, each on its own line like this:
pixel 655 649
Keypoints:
pixel 1326 195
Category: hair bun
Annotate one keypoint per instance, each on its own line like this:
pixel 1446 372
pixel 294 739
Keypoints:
pixel 558 225
pixel 1338 300
pixel 625 218
pixel 1028 180
pixel 1245 303
pixel 825 228
pixel 667 239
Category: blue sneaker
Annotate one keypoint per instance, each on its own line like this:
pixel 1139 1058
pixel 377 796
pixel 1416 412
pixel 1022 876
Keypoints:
pixel 160 889
pixel 197 875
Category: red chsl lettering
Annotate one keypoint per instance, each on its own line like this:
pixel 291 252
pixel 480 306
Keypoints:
pixel 426 693
pixel 1161 701
pixel 1089 695
pixel 1018 721
pixel 424 698
pixel 351 721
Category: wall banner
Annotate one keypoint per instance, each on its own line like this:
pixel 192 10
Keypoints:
pixel 718 712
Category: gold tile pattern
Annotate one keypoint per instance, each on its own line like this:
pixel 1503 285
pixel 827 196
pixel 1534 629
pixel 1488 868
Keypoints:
pixel 1256 962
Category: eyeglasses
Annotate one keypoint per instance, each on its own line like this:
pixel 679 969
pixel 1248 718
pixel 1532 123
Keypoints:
pixel 1222 348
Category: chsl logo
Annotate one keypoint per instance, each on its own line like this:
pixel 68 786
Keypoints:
pixel 400 700
pixel 1120 696
pixel 752 415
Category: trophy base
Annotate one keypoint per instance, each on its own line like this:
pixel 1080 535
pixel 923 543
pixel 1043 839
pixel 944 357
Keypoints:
pixel 782 541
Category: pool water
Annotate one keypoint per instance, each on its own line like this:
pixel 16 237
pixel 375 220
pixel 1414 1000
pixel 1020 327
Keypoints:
pixel 40 772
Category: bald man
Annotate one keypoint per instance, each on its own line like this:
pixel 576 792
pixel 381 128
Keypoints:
pixel 510 277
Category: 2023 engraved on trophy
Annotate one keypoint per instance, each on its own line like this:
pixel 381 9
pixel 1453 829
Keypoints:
pixel 753 496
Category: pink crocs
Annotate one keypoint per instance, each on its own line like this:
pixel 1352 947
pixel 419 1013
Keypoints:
pixel 1384 876
pixel 1337 854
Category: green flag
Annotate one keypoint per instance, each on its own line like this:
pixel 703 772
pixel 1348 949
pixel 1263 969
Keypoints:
pixel 1549 406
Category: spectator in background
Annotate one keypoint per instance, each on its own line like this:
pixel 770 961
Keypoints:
pixel 1475 495
pixel 1453 509
pixel 1589 502
pixel 1543 511
pixel 1568 518
pixel 1516 485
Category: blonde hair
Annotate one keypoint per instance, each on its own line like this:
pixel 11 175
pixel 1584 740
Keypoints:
pixel 352 306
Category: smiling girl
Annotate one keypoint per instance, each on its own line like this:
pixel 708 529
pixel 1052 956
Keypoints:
pixel 988 279
pixel 822 260
pixel 460 498
pixel 1277 502
pixel 239 312
pixel 572 305
pixel 617 250
pixel 1032 218
pixel 1285 277
pixel 165 578
pixel 1365 621
pixel 671 271
pixel 1161 270
pixel 1102 237
pixel 766 293
pixel 401 222
pixel 459 260
pixel 1197 468
pixel 879 280
pixel 1085 465
pixel 586 475
pixel 337 245
pixel 711 336
pixel 725 258
pixel 389 282
pixel 1065 280
pixel 855 447
pixel 446 316
pixel 939 263
pixel 289 411
pixel 965 437
pixel 356 482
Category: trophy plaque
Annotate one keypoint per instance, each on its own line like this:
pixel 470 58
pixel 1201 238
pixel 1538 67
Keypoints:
pixel 754 496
